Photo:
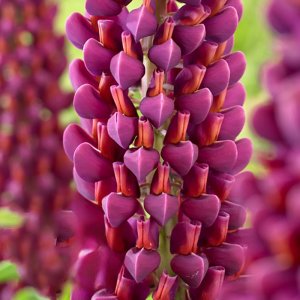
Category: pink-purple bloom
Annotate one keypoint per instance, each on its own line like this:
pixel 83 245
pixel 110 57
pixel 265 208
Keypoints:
pixel 273 198
pixel 156 153
pixel 35 173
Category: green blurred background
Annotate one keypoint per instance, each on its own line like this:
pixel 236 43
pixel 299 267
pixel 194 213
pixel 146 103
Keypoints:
pixel 253 37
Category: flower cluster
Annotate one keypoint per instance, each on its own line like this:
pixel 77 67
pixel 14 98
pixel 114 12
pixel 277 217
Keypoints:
pixel 274 197
pixel 156 154
pixel 35 173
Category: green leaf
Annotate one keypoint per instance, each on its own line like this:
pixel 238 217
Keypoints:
pixel 29 294
pixel 8 271
pixel 66 293
pixel 10 219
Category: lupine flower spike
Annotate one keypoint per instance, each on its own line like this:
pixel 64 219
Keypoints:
pixel 156 152
pixel 35 174
pixel 274 197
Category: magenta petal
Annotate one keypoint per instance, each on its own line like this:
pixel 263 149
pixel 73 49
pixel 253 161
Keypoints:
pixel 246 186
pixel 90 165
pixel 79 30
pixel 166 288
pixel 111 263
pixel 84 188
pixel 157 109
pixel 90 215
pixel 188 38
pixel 103 295
pixel 264 123
pixel 190 268
pixel 235 95
pixel 243 236
pixel 272 76
pixel 73 136
pixel 203 55
pixel 121 238
pixel 79 74
pixel 191 2
pixel 141 161
pixel 238 5
pixel 194 183
pixel 103 8
pixel 236 212
pixel 244 148
pixel 191 15
pixel 220 184
pixel 161 207
pixel 233 123
pixel 287 113
pixel 148 234
pixel 237 65
pixel 127 288
pixel 122 129
pixel 215 234
pixel 221 156
pixel 166 56
pixel 98 269
pixel 207 132
pixel 119 208
pixel 204 209
pixel 229 46
pixel 86 124
pixel 184 238
pixel 214 5
pixel 105 187
pixel 87 266
pixel 80 293
pixel 198 104
pixel 141 23
pixel 222 26
pixel 229 256
pixel 181 157
pixel 96 57
pixel 110 34
pixel 217 77
pixel 89 104
pixel 211 284
pixel 141 262
pixel 126 70
pixel 282 16
pixel 188 80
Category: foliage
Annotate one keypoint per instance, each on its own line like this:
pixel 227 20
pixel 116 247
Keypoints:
pixel 10 219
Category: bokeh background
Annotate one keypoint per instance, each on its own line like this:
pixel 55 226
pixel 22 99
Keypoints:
pixel 253 37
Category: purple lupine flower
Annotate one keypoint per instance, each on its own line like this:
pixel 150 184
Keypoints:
pixel 156 153
pixel 35 173
pixel 273 197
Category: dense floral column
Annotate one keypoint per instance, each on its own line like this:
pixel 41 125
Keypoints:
pixel 274 197
pixel 35 174
pixel 156 152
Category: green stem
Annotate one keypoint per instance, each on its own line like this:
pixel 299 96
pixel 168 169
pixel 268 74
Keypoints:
pixel 161 10
pixel 181 290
